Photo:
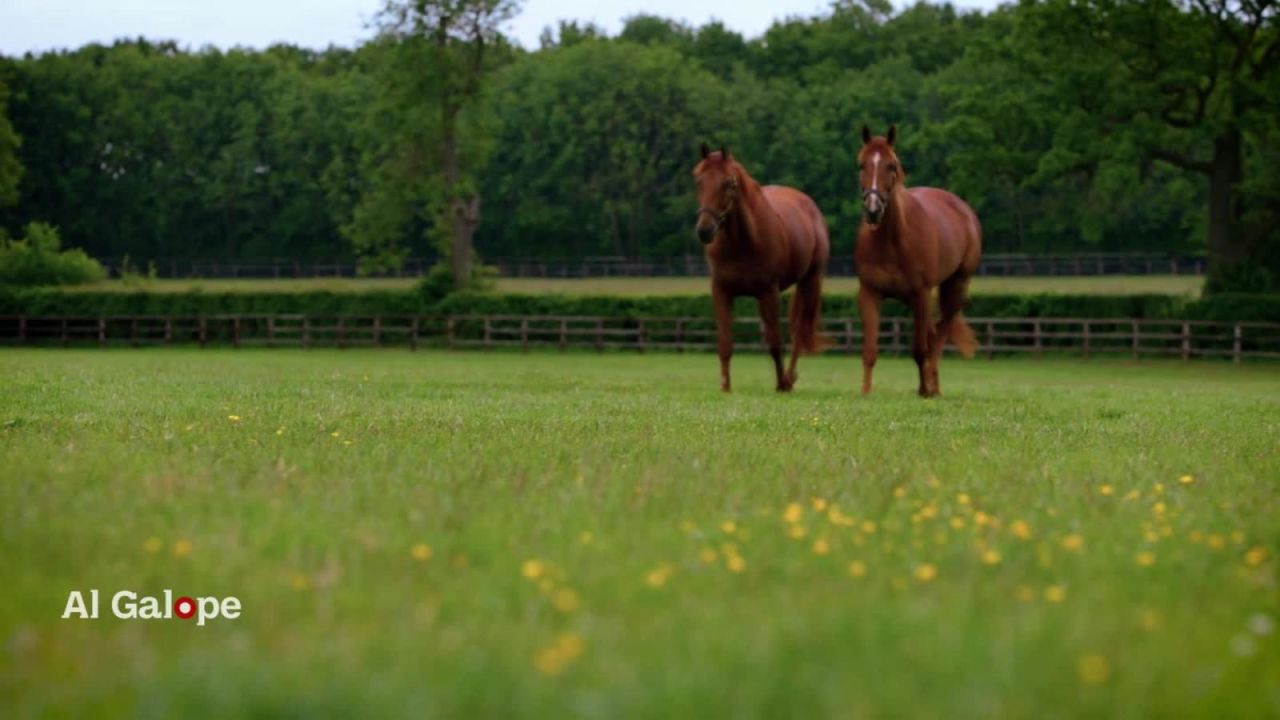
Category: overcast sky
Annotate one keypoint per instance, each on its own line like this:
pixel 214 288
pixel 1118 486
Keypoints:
pixel 35 25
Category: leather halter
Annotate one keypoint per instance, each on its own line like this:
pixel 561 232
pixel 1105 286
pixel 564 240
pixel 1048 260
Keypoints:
pixel 719 216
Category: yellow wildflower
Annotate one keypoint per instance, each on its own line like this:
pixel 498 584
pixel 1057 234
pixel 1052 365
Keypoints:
pixel 1055 593
pixel 857 568
pixel 1216 542
pixel 707 556
pixel 819 504
pixel 234 418
pixel 532 569
pixel 796 531
pixel 1255 556
pixel 820 547
pixel 658 576
pixel 963 498
pixel 735 563
pixel 182 548
pixel 1146 558
pixel 1186 479
pixel 899 492
pixel 1072 543
pixel 729 527
pixel 1106 490
pixel 926 572
pixel 991 557
pixel 1093 669
pixel 553 659
pixel 1020 529
pixel 565 600
pixel 586 538
pixel 280 431
pixel 421 552
pixel 957 523
pixel 868 527
pixel 793 513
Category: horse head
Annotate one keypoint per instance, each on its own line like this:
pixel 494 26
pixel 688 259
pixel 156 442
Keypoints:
pixel 880 173
pixel 719 187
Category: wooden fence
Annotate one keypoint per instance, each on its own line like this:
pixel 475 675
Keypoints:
pixel 1184 339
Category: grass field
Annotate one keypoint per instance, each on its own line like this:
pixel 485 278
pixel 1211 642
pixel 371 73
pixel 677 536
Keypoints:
pixel 1101 285
pixel 466 535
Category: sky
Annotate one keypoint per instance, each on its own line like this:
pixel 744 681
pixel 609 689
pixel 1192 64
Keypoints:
pixel 38 25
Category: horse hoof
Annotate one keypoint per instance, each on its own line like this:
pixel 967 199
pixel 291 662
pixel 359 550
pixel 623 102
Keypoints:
pixel 784 387
pixel 725 389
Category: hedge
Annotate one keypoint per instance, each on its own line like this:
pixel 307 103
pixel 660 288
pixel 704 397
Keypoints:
pixel 1224 307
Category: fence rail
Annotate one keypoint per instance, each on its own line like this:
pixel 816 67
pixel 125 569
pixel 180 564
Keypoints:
pixel 676 266
pixel 1185 339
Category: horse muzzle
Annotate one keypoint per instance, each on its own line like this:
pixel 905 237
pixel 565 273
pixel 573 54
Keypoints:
pixel 874 204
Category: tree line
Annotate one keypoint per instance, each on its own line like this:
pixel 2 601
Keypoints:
pixel 1100 125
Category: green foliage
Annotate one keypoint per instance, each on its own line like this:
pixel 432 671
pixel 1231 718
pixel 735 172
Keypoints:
pixel 584 146
pixel 432 296
pixel 10 165
pixel 38 259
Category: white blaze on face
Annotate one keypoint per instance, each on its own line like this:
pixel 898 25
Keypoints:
pixel 873 198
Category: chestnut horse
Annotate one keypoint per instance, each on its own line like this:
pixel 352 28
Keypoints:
pixel 761 241
pixel 911 241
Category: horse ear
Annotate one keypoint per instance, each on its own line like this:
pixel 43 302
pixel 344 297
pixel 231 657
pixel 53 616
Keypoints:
pixel 705 151
pixel 893 133
pixel 866 134
pixel 724 151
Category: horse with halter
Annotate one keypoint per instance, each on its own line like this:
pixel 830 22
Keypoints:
pixel 911 241
pixel 759 242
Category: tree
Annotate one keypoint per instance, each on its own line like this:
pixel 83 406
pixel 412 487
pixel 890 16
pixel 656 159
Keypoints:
pixel 1180 82
pixel 10 166
pixel 444 48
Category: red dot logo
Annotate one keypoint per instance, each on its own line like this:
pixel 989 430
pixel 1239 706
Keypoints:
pixel 184 607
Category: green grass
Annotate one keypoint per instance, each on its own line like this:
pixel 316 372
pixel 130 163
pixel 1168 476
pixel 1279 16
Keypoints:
pixel 1103 285
pixel 657 511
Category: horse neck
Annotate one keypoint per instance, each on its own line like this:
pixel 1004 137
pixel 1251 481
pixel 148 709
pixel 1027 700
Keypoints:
pixel 894 226
pixel 741 225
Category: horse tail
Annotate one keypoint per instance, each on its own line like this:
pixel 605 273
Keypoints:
pixel 806 308
pixel 961 335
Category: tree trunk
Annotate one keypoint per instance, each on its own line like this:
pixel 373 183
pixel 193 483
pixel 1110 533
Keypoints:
pixel 463 212
pixel 1227 244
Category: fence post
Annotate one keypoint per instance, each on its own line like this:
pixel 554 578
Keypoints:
pixel 342 330
pixel 306 332
pixel 102 331
pixel 377 330
pixel 1086 338
pixel 488 330
pixel 449 331
pixel 204 330
pixel 1035 332
pixel 64 332
pixel 680 335
pixel 564 334
pixel 271 330
pixel 848 336
pixel 524 334
pixel 22 329
pixel 235 331
pixel 1186 340
pixel 168 331
pixel 640 335
pixel 599 334
pixel 1236 338
pixel 133 331
pixel 897 335
pixel 1133 324
pixel 991 340
pixel 413 334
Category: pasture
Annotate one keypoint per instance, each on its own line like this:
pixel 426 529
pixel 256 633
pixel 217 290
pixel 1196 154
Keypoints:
pixel 1188 285
pixel 547 535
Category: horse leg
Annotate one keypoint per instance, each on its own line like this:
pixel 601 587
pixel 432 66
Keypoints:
pixel 951 326
pixel 806 304
pixel 773 335
pixel 724 331
pixel 869 307
pixel 922 345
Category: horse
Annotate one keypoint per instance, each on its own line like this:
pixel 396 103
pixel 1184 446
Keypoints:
pixel 759 242
pixel 911 241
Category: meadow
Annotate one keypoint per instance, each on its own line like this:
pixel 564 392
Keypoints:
pixel 547 535
pixel 1188 285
